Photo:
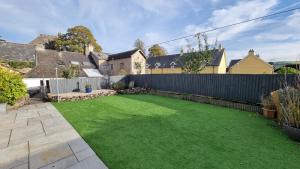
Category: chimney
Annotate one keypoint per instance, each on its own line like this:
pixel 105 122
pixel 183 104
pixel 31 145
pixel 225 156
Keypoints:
pixel 88 49
pixel 251 52
pixel 220 47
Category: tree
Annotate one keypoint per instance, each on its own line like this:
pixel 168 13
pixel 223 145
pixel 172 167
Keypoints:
pixel 75 40
pixel 288 70
pixel 157 50
pixel 139 44
pixel 195 61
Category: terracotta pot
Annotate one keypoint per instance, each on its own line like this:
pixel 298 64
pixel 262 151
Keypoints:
pixel 293 133
pixel 269 113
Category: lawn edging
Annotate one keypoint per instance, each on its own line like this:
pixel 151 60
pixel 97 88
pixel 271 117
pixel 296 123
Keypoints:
pixel 208 100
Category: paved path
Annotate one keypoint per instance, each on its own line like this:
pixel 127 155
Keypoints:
pixel 37 136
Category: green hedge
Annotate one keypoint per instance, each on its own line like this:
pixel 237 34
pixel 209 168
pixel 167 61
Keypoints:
pixel 12 87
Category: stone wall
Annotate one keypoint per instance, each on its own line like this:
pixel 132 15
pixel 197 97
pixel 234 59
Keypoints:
pixel 209 100
pixel 74 96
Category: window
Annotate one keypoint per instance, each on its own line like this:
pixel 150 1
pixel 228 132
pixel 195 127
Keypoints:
pixel 111 66
pixel 41 83
pixel 157 65
pixel 121 65
pixel 172 64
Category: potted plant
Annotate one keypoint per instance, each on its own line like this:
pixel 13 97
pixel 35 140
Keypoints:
pixel 269 109
pixel 290 105
pixel 88 88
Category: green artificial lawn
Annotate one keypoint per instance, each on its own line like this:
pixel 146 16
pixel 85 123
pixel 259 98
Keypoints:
pixel 153 132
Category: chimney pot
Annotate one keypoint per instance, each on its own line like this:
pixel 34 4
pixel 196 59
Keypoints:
pixel 251 52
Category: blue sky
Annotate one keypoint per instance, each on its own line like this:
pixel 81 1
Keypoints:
pixel 117 23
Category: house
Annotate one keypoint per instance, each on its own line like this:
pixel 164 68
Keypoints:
pixel 129 62
pixel 251 64
pixel 50 60
pixel 170 64
pixel 46 61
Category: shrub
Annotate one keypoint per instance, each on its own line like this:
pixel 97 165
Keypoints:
pixel 70 72
pixel 288 70
pixel 290 105
pixel 20 64
pixel 12 87
pixel 118 85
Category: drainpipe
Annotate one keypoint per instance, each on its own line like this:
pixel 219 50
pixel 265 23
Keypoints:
pixel 57 90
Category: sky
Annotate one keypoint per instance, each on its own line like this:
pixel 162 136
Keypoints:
pixel 116 24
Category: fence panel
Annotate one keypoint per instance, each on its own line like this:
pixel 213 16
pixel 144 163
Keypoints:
pixel 70 85
pixel 239 88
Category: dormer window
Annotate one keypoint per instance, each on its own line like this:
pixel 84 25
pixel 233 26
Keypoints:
pixel 172 64
pixel 147 66
pixel 157 65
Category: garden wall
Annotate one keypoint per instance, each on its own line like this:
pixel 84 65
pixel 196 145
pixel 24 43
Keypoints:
pixel 231 87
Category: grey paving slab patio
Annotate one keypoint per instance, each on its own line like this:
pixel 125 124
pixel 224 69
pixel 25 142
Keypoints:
pixel 38 137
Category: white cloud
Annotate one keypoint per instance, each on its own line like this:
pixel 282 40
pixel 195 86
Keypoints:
pixel 165 7
pixel 270 52
pixel 286 29
pixel 241 11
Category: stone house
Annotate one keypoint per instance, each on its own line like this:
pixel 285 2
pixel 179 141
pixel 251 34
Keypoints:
pixel 129 62
pixel 170 64
pixel 46 61
pixel 251 64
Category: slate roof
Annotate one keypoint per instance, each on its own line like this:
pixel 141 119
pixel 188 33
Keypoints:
pixel 174 60
pixel 42 39
pixel 16 52
pixel 233 62
pixel 48 60
pixel 123 55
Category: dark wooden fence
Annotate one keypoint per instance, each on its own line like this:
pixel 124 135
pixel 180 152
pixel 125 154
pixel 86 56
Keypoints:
pixel 239 88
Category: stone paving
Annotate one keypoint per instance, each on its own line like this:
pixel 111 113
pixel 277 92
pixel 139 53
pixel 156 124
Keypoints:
pixel 38 137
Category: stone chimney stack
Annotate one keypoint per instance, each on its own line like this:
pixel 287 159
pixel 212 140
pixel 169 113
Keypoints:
pixel 251 52
pixel 88 49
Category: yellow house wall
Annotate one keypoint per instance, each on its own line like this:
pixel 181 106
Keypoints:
pixel 138 57
pixel 163 71
pixel 251 65
pixel 223 64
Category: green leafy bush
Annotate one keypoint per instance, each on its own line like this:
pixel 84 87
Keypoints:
pixel 70 72
pixel 119 85
pixel 12 87
pixel 20 64
pixel 288 70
